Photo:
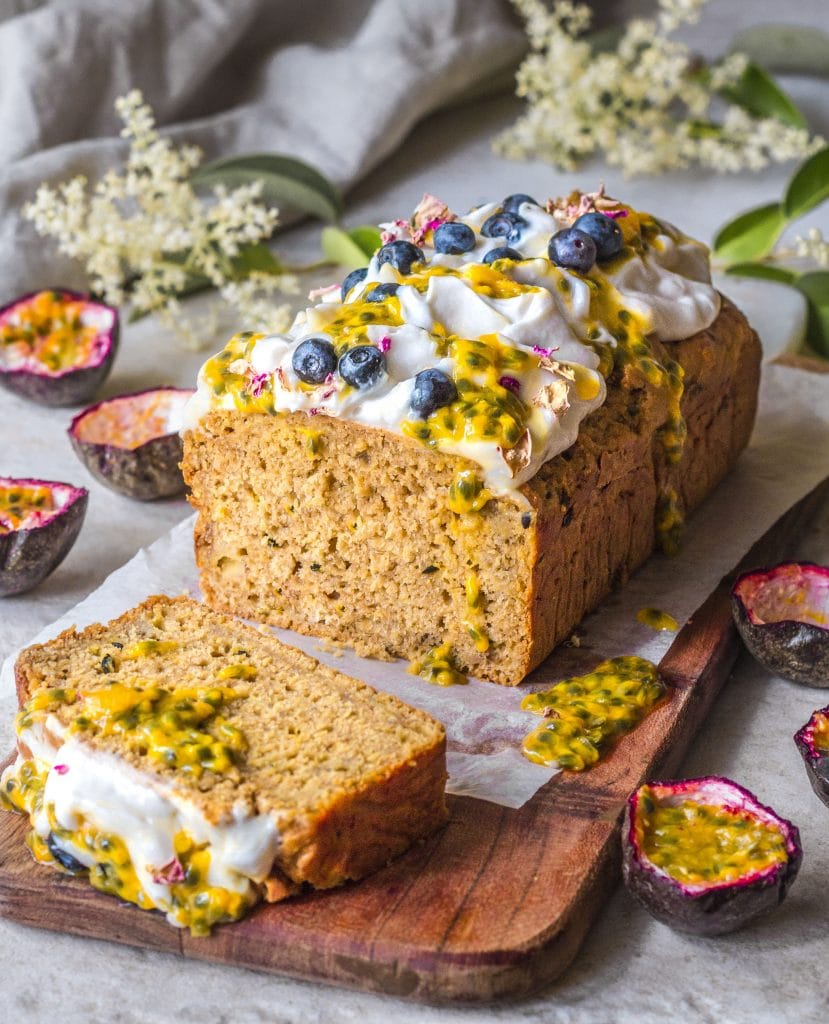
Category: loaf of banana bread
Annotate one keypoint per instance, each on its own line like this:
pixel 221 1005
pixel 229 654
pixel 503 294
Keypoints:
pixel 467 450
pixel 186 762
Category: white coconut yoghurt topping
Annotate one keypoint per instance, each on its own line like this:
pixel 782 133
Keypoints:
pixel 91 809
pixel 493 356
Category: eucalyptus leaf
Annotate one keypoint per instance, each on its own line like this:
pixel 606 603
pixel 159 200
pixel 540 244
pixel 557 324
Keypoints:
pixel 786 49
pixel 339 247
pixel 815 286
pixel 809 187
pixel 761 96
pixel 285 181
pixel 751 235
pixel 766 271
pixel 367 237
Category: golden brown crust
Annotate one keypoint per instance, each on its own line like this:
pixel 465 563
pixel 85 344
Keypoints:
pixel 353 541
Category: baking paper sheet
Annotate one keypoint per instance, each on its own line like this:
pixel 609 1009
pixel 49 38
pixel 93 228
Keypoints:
pixel 788 457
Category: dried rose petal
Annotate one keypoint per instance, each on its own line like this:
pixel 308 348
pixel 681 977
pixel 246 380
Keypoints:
pixel 61 769
pixel 169 873
pixel 258 383
pixel 510 383
pixel 545 352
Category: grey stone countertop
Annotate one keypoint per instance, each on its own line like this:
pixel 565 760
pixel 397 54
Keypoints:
pixel 631 969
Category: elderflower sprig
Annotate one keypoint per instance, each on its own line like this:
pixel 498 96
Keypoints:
pixel 145 235
pixel 649 105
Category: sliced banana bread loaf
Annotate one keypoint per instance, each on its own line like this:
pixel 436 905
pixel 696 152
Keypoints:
pixel 190 763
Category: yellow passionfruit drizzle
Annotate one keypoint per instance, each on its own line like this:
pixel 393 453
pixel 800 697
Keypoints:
pixel 180 728
pixel 18 503
pixel 49 329
pixel 193 902
pixel 656 619
pixel 703 843
pixel 584 714
pixel 437 666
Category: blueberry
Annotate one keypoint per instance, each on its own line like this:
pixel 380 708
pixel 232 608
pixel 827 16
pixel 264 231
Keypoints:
pixel 313 360
pixel 507 225
pixel 361 366
pixel 503 252
pixel 511 203
pixel 604 231
pixel 354 278
pixel 573 249
pixel 400 254
pixel 378 292
pixel 432 390
pixel 66 860
pixel 454 238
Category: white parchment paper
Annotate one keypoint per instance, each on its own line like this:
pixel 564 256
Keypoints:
pixel 788 456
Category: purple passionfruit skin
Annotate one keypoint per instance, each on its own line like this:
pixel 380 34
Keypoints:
pixel 132 443
pixel 29 554
pixel 782 614
pixel 73 385
pixel 710 908
pixel 815 757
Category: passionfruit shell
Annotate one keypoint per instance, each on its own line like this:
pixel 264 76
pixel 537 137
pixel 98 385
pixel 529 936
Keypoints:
pixel 782 613
pixel 32 377
pixel 131 443
pixel 815 756
pixel 716 907
pixel 30 552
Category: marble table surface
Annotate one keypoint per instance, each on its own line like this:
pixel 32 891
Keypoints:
pixel 631 969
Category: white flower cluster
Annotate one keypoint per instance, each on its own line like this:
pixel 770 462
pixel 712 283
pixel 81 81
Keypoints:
pixel 813 247
pixel 647 105
pixel 144 234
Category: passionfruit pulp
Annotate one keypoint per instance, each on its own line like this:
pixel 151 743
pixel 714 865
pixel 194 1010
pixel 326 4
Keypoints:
pixel 782 614
pixel 39 522
pixel 56 346
pixel 705 856
pixel 132 443
pixel 813 743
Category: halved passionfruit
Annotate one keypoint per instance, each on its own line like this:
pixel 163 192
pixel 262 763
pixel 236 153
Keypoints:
pixel 782 614
pixel 39 522
pixel 813 743
pixel 132 444
pixel 56 346
pixel 705 856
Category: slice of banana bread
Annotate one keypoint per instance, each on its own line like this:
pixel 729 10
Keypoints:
pixel 190 763
pixel 342 531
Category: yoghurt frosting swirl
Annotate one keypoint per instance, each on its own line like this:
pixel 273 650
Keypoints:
pixel 527 343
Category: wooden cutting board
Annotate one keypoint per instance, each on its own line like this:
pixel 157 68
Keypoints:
pixel 495 905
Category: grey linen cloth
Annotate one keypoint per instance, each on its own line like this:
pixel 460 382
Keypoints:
pixel 338 84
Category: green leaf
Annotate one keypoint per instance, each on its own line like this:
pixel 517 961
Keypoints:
pixel 809 187
pixel 761 96
pixel 285 181
pixel 786 49
pixel 341 247
pixel 367 237
pixel 815 286
pixel 256 259
pixel 750 235
pixel 766 271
